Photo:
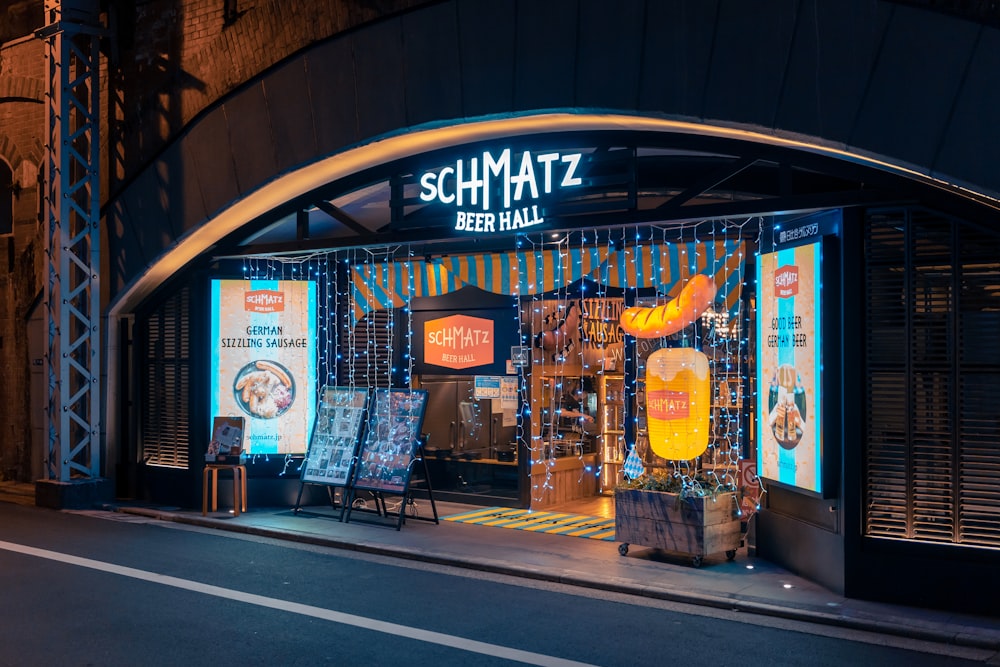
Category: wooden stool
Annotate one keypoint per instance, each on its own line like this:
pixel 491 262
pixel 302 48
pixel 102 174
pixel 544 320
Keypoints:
pixel 239 487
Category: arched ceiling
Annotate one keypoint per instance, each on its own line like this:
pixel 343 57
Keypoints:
pixel 630 177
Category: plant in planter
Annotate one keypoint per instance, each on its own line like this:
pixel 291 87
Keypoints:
pixel 696 515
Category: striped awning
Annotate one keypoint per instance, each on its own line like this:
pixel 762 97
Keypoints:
pixel 663 266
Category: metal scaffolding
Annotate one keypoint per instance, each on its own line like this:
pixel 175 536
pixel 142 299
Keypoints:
pixel 73 235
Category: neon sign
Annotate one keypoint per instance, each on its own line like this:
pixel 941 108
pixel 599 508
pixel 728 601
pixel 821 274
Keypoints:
pixel 470 184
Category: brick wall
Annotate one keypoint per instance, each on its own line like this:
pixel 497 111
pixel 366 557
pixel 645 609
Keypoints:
pixel 177 58
pixel 22 128
pixel 169 61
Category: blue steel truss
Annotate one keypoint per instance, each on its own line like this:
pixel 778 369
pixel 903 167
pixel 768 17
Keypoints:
pixel 72 229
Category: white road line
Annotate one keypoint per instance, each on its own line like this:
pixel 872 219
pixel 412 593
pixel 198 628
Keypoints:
pixel 429 636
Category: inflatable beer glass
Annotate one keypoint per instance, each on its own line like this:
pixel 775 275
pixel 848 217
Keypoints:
pixel 678 397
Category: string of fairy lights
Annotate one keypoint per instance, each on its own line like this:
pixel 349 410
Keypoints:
pixel 376 350
pixel 609 445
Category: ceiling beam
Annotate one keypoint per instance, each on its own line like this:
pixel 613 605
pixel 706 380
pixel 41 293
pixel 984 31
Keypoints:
pixel 340 216
pixel 710 180
pixel 301 224
pixel 439 231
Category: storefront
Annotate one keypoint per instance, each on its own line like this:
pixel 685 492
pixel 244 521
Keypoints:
pixel 469 199
pixel 393 149
pixel 525 359
pixel 549 358
pixel 537 320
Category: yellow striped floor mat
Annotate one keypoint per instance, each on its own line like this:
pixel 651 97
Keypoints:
pixel 556 523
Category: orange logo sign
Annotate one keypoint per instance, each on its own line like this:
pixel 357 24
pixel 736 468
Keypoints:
pixel 666 404
pixel 786 282
pixel 264 301
pixel 458 341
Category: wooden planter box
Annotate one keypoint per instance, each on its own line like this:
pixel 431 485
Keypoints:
pixel 693 526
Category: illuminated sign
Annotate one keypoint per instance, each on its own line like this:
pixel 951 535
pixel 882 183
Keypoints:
pixel 799 233
pixel 264 360
pixel 470 184
pixel 789 367
pixel 458 341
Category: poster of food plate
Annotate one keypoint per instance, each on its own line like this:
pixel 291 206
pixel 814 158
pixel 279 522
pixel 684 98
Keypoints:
pixel 264 360
pixel 789 367
pixel 334 442
pixel 395 417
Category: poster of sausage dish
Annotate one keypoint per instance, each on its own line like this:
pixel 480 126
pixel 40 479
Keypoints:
pixel 263 362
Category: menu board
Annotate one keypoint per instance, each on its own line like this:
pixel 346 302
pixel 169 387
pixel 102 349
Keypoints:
pixel 790 366
pixel 335 435
pixel 395 418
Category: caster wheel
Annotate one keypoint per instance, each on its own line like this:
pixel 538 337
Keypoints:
pixel 623 549
pixel 696 561
pixel 731 554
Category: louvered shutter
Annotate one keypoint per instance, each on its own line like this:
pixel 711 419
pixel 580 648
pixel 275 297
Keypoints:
pixel 887 460
pixel 932 358
pixel 932 456
pixel 165 383
pixel 978 416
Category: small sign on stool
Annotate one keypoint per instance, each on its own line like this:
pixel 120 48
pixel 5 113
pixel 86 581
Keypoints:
pixel 224 453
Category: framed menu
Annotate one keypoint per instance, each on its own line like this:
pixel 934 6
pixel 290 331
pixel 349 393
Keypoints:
pixel 395 419
pixel 226 444
pixel 335 436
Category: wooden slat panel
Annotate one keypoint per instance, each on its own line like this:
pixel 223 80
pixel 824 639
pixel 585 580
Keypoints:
pixel 887 454
pixel 165 387
pixel 978 417
pixel 932 456
pixel 932 403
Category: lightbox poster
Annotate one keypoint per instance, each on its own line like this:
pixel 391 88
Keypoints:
pixel 264 360
pixel 789 367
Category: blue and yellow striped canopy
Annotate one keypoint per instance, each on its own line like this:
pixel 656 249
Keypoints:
pixel 663 266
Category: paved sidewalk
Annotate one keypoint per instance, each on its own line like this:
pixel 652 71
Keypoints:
pixel 746 584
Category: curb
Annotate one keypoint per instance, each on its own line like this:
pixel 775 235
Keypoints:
pixel 950 637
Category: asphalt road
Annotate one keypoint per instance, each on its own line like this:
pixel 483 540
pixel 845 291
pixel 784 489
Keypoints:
pixel 103 588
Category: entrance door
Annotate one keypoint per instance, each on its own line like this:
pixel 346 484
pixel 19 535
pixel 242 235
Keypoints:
pixel 458 421
pixel 464 436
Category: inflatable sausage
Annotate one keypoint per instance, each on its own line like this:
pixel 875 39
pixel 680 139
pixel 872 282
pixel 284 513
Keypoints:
pixel 697 295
